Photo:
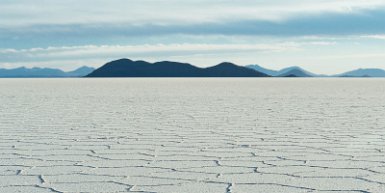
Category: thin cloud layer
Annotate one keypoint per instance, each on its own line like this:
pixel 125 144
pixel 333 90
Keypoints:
pixel 105 51
pixel 138 12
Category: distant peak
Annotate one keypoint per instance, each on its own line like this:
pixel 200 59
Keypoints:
pixel 294 68
pixel 254 65
pixel 171 69
pixel 85 68
pixel 123 60
pixel 163 62
pixel 226 64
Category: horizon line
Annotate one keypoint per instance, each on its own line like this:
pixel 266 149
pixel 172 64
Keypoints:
pixel 254 64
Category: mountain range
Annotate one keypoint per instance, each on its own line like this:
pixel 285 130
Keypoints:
pixel 369 72
pixel 35 72
pixel 296 71
pixel 129 68
pixel 293 71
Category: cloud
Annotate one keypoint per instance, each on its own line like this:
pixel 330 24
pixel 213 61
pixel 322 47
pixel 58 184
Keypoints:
pixel 137 12
pixel 333 24
pixel 377 36
pixel 99 54
pixel 115 51
pixel 27 24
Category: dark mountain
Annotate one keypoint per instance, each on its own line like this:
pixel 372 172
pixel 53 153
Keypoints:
pixel 291 76
pixel 227 69
pixel 23 72
pixel 295 72
pixel 263 70
pixel 368 72
pixel 129 68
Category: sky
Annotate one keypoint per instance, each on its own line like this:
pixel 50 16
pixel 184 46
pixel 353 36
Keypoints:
pixel 322 36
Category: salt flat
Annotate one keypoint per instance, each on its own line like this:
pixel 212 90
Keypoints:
pixel 192 135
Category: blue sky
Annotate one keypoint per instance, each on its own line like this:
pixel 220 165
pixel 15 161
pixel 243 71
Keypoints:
pixel 323 36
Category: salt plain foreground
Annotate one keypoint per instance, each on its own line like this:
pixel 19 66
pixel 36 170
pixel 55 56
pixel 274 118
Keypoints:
pixel 192 135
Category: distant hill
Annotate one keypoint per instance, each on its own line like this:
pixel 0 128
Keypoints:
pixel 263 70
pixel 23 72
pixel 296 71
pixel 80 72
pixel 129 68
pixel 368 72
pixel 293 71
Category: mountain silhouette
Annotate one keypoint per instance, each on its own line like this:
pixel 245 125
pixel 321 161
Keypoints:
pixel 129 68
pixel 291 76
pixel 80 72
pixel 367 72
pixel 296 72
pixel 293 71
pixel 35 72
pixel 263 70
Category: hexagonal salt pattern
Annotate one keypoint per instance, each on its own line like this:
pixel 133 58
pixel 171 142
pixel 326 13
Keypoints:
pixel 192 135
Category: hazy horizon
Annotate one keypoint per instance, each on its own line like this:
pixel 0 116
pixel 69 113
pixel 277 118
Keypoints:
pixel 79 67
pixel 322 36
